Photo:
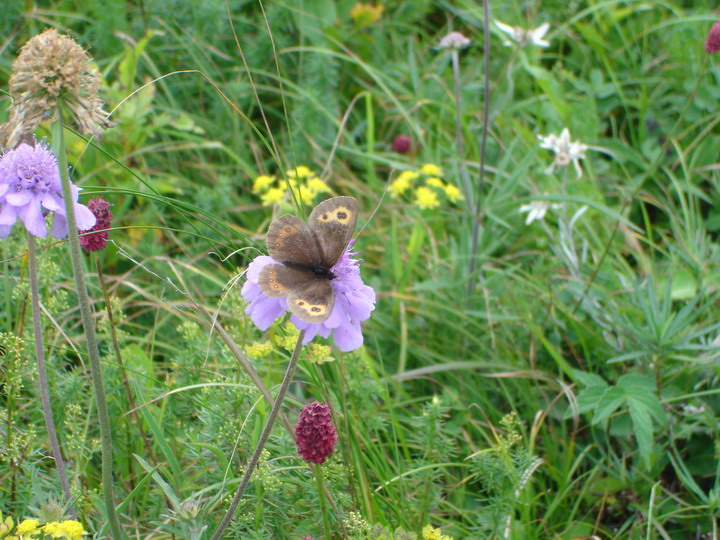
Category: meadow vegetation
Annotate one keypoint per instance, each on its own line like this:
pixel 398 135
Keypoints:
pixel 543 356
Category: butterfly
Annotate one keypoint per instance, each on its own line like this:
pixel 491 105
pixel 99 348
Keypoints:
pixel 308 251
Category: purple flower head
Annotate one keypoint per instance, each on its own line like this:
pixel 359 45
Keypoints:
pixel 30 188
pixel 401 144
pixel 354 301
pixel 315 433
pixel 97 240
pixel 712 43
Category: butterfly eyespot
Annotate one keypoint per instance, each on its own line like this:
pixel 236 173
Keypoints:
pixel 315 310
pixel 341 215
pixel 301 303
pixel 288 229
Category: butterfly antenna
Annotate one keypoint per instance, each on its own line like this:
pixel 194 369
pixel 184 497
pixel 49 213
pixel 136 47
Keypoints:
pixel 379 204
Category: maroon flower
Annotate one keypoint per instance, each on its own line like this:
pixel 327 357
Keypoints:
pixel 401 144
pixel 712 43
pixel 97 240
pixel 315 433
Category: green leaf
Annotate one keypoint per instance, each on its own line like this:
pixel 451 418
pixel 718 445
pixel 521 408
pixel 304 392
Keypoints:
pixel 642 428
pixel 609 402
pixel 589 379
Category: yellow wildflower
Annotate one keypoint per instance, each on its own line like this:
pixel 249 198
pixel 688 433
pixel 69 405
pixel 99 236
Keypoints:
pixel 262 183
pixel 408 175
pixel 429 533
pixel 260 349
pixel 301 171
pixel 6 525
pixel 70 529
pixel 435 182
pixel 399 186
pixel 426 198
pixel 272 196
pixel 28 526
pixel 431 170
pixel 453 193
pixel 305 194
pixel 316 185
pixel 319 354
pixel 366 14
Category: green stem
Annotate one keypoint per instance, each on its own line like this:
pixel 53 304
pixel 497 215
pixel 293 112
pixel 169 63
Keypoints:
pixel 42 375
pixel 249 469
pixel 89 327
pixel 323 504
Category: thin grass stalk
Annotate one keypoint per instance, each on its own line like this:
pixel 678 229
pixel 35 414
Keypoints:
pixel 459 144
pixel 323 502
pixel 42 375
pixel 121 364
pixel 250 468
pixel 476 215
pixel 88 326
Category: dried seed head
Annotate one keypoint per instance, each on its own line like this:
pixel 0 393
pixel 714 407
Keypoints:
pixel 315 433
pixel 51 68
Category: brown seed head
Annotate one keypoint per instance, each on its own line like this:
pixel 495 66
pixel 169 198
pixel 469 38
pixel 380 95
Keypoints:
pixel 52 69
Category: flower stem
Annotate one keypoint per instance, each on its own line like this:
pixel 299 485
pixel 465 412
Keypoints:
pixel 249 469
pixel 323 505
pixel 42 375
pixel 89 327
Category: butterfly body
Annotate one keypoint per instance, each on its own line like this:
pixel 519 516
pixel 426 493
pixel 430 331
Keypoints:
pixel 307 253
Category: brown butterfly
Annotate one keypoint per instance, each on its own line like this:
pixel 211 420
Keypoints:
pixel 307 252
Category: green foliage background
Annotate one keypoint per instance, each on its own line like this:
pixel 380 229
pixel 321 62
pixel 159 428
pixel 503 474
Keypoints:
pixel 572 392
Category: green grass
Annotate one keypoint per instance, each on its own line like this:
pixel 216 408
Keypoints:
pixel 573 392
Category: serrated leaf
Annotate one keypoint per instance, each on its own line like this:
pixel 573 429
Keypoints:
pixel 609 402
pixel 589 379
pixel 633 383
pixel 642 427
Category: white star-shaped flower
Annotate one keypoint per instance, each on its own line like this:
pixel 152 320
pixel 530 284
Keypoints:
pixel 565 150
pixel 525 36
pixel 537 209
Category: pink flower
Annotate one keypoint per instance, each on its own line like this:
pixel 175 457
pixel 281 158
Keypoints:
pixel 712 43
pixel 97 240
pixel 315 433
pixel 30 188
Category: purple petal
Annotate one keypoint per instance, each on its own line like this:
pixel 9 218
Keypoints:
pixel 8 215
pixel 5 230
pixel 3 188
pixel 31 215
pixel 19 198
pixel 348 337
pixel 264 311
pixel 53 202
pixel 258 263
pixel 85 219
pixel 59 226
pixel 250 291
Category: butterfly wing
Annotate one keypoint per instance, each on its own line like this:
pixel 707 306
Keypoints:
pixel 290 239
pixel 310 298
pixel 333 222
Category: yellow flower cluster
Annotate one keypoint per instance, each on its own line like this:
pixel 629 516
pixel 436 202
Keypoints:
pixel 30 528
pixel 304 183
pixel 428 533
pixel 426 196
pixel 366 14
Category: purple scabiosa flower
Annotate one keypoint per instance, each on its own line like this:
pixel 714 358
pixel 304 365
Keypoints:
pixel 97 240
pixel 30 188
pixel 354 301
pixel 315 433
pixel 712 43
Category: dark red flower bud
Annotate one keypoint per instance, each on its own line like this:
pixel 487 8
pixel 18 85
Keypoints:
pixel 401 144
pixel 712 43
pixel 97 240
pixel 315 433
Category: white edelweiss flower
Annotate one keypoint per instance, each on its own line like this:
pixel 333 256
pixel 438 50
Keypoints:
pixel 454 40
pixel 565 150
pixel 537 209
pixel 525 37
